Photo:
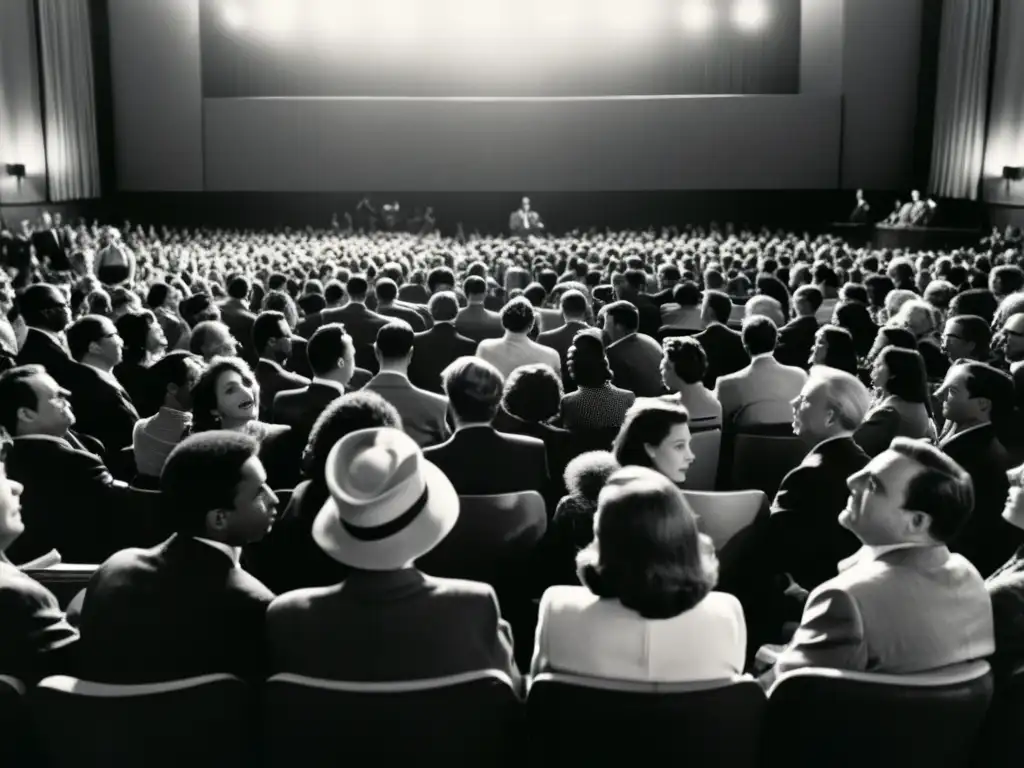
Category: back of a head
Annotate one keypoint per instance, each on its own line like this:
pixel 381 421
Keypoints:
pixel 518 316
pixel 996 386
pixel 268 325
pixel 349 413
pixel 907 377
pixel 808 299
pixel 474 388
pixel 533 393
pixel 624 314
pixel 686 294
pixel 765 306
pixel 889 335
pixel 328 344
pixel 587 474
pixel 941 489
pixel 759 335
pixel 574 304
pixel 175 369
pixel 443 306
pixel 334 292
pixel 719 305
pixel 386 290
pixel 238 288
pixel 536 294
pixel 688 359
pixel 395 340
pixel 474 287
pixel 357 287
pixel 35 301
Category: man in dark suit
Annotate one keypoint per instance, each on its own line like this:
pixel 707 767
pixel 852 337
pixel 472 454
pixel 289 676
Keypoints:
pixel 36 640
pixel 475 321
pixel 574 310
pixel 388 305
pixel 332 357
pixel 635 358
pixel 273 340
pixel 796 338
pixel 186 608
pixel 70 502
pixel 235 314
pixel 102 406
pixel 632 288
pixel 435 349
pixel 805 538
pixel 334 295
pixel 47 314
pixel 360 323
pixel 722 345
pixel 975 397
pixel 387 620
pixel 477 458
pixel 18 257
pixel 50 248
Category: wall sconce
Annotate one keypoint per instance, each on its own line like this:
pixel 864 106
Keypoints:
pixel 1012 173
pixel 17 170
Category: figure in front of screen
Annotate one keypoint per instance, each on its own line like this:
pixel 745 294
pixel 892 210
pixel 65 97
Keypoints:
pixel 860 210
pixel 525 221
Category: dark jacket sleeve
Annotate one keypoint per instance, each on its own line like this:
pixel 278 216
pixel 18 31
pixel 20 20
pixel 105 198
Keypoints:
pixel 36 639
pixel 875 434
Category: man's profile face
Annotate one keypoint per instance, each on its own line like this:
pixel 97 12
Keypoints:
pixel 11 525
pixel 874 510
pixel 255 506
pixel 52 414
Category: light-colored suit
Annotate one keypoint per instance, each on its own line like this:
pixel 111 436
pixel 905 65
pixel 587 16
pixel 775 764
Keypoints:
pixel 508 353
pixel 766 385
pixel 423 413
pixel 900 611
pixel 580 633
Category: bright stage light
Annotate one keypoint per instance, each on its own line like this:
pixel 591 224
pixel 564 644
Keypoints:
pixel 698 15
pixel 234 17
pixel 750 15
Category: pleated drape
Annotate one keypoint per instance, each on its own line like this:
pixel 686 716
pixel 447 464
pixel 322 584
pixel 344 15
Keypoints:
pixel 961 104
pixel 72 150
pixel 1006 121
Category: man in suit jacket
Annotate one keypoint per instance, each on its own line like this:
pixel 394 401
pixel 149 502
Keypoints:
pixel 273 339
pixel 477 458
pixel 235 314
pixel 635 358
pixel 388 305
pixel 47 314
pixel 903 603
pixel 360 323
pixel 102 406
pixel 435 349
pixel 632 288
pixel 474 321
pixel 36 640
pixel 186 607
pixel 49 245
pixel 387 621
pixel 805 539
pixel 764 383
pixel 722 345
pixel 515 348
pixel 525 221
pixel 975 396
pixel 574 311
pixel 423 413
pixel 70 502
pixel 334 295
pixel 796 338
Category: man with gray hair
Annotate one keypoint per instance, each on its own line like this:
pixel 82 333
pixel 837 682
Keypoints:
pixel 805 535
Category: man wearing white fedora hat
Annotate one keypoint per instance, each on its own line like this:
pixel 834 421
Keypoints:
pixel 387 621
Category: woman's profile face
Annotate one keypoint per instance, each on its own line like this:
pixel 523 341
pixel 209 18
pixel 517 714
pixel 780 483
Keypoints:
pixel 673 456
pixel 236 397
pixel 155 338
pixel 879 373
pixel 820 349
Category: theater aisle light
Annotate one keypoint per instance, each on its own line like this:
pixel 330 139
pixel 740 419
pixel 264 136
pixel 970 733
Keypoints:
pixel 698 15
pixel 750 15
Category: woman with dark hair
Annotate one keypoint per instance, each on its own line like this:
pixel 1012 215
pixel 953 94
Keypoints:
pixel 890 336
pixel 855 318
pixel 682 370
pixel 596 404
pixel 902 407
pixel 833 346
pixel 144 343
pixel 648 578
pixel 878 288
pixel 656 435
pixel 769 285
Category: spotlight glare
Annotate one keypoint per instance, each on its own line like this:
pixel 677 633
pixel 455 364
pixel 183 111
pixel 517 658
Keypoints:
pixel 234 17
pixel 750 15
pixel 698 15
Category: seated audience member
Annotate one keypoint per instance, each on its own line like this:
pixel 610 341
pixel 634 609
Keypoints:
pixel 236 315
pixel 423 413
pixel 834 347
pixel 855 318
pixel 103 407
pixel 646 611
pixel 797 337
pixel 574 315
pixel 288 558
pixel 922 319
pixel 272 340
pixel 805 538
pixel 386 291
pixel 211 338
pixel 889 336
pixel 515 348
pixel 634 357
pixel 36 639
pixel 596 404
pixel 684 310
pixel 683 369
pixel 764 382
pixel 186 608
pixel 332 359
pixel 144 343
pixel 478 459
pixel 70 501
pixel 1006 588
pixel 723 346
pixel 903 603
pixel 437 347
pixel 475 321
pixel 1010 341
pixel 976 397
pixel 572 526
pixel 47 314
pixel 901 407
pixel 967 337
pixel 389 506
pixel 163 300
pixel 656 435
pixel 765 306
pixel 975 301
pixel 360 322
pixel 174 376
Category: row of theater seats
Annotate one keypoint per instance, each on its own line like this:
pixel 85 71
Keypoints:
pixel 810 717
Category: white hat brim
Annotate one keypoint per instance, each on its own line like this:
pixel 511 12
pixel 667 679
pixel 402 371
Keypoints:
pixel 426 531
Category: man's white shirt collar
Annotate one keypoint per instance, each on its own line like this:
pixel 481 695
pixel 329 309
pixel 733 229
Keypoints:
pixel 233 553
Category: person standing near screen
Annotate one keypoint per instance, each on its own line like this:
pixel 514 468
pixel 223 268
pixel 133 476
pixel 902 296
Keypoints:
pixel 525 221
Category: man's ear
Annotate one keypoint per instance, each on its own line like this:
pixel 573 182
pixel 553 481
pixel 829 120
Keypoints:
pixel 920 522
pixel 26 414
pixel 217 520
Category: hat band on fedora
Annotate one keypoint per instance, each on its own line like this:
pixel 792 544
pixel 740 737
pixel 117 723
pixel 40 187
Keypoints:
pixel 390 528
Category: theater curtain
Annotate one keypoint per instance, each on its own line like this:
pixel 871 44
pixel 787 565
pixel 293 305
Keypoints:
pixel 1006 120
pixel 961 104
pixel 72 150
